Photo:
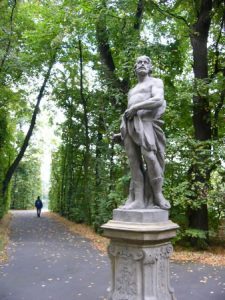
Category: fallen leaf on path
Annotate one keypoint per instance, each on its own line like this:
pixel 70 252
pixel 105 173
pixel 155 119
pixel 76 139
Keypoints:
pixel 214 256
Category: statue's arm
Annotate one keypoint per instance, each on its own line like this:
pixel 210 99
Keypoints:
pixel 156 100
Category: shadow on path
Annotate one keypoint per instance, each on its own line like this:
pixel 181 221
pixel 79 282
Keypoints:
pixel 49 262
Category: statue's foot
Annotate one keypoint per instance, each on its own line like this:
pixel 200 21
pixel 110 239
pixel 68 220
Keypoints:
pixel 135 205
pixel 127 203
pixel 162 202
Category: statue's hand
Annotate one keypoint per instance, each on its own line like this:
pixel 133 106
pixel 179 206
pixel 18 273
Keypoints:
pixel 130 113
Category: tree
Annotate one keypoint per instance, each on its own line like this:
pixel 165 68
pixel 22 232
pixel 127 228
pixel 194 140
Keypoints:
pixel 21 58
pixel 94 45
pixel 12 168
pixel 26 182
pixel 203 20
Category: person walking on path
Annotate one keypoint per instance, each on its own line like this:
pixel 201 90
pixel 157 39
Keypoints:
pixel 38 205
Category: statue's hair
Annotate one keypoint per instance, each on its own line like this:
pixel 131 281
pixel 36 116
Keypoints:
pixel 148 59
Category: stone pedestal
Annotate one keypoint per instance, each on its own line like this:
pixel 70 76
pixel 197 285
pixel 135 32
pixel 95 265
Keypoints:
pixel 139 251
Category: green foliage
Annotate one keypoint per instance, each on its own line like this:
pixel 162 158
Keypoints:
pixel 26 182
pixel 97 44
pixel 163 34
pixel 195 233
pixel 28 38
pixel 216 200
pixel 197 238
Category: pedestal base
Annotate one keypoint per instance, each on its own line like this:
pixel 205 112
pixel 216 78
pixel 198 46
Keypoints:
pixel 139 252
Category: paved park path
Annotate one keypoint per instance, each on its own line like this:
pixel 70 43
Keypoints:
pixel 49 262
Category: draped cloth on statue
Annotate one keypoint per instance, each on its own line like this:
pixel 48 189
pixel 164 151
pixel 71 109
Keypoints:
pixel 145 131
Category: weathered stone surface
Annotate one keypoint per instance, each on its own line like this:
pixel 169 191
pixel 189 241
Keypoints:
pixel 140 232
pixel 140 215
pixel 139 254
pixel 140 273
pixel 144 140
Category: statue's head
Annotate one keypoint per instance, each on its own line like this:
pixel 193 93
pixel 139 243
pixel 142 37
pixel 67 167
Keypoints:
pixel 143 64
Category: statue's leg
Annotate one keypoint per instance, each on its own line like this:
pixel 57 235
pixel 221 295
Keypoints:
pixel 136 195
pixel 159 199
pixel 155 174
pixel 131 195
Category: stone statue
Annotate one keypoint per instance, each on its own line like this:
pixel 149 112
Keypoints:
pixel 144 140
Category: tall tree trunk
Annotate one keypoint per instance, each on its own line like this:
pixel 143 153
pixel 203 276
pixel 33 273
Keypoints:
pixel 87 140
pixel 98 151
pixel 24 146
pixel 104 48
pixel 63 183
pixel 198 218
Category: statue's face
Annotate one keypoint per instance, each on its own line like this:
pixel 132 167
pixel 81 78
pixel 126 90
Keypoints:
pixel 143 65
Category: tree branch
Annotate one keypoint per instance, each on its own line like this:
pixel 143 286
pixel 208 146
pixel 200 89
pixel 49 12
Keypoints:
pixel 103 44
pixel 24 146
pixel 107 57
pixel 83 99
pixel 139 14
pixel 169 13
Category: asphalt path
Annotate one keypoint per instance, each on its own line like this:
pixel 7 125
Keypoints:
pixel 46 261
